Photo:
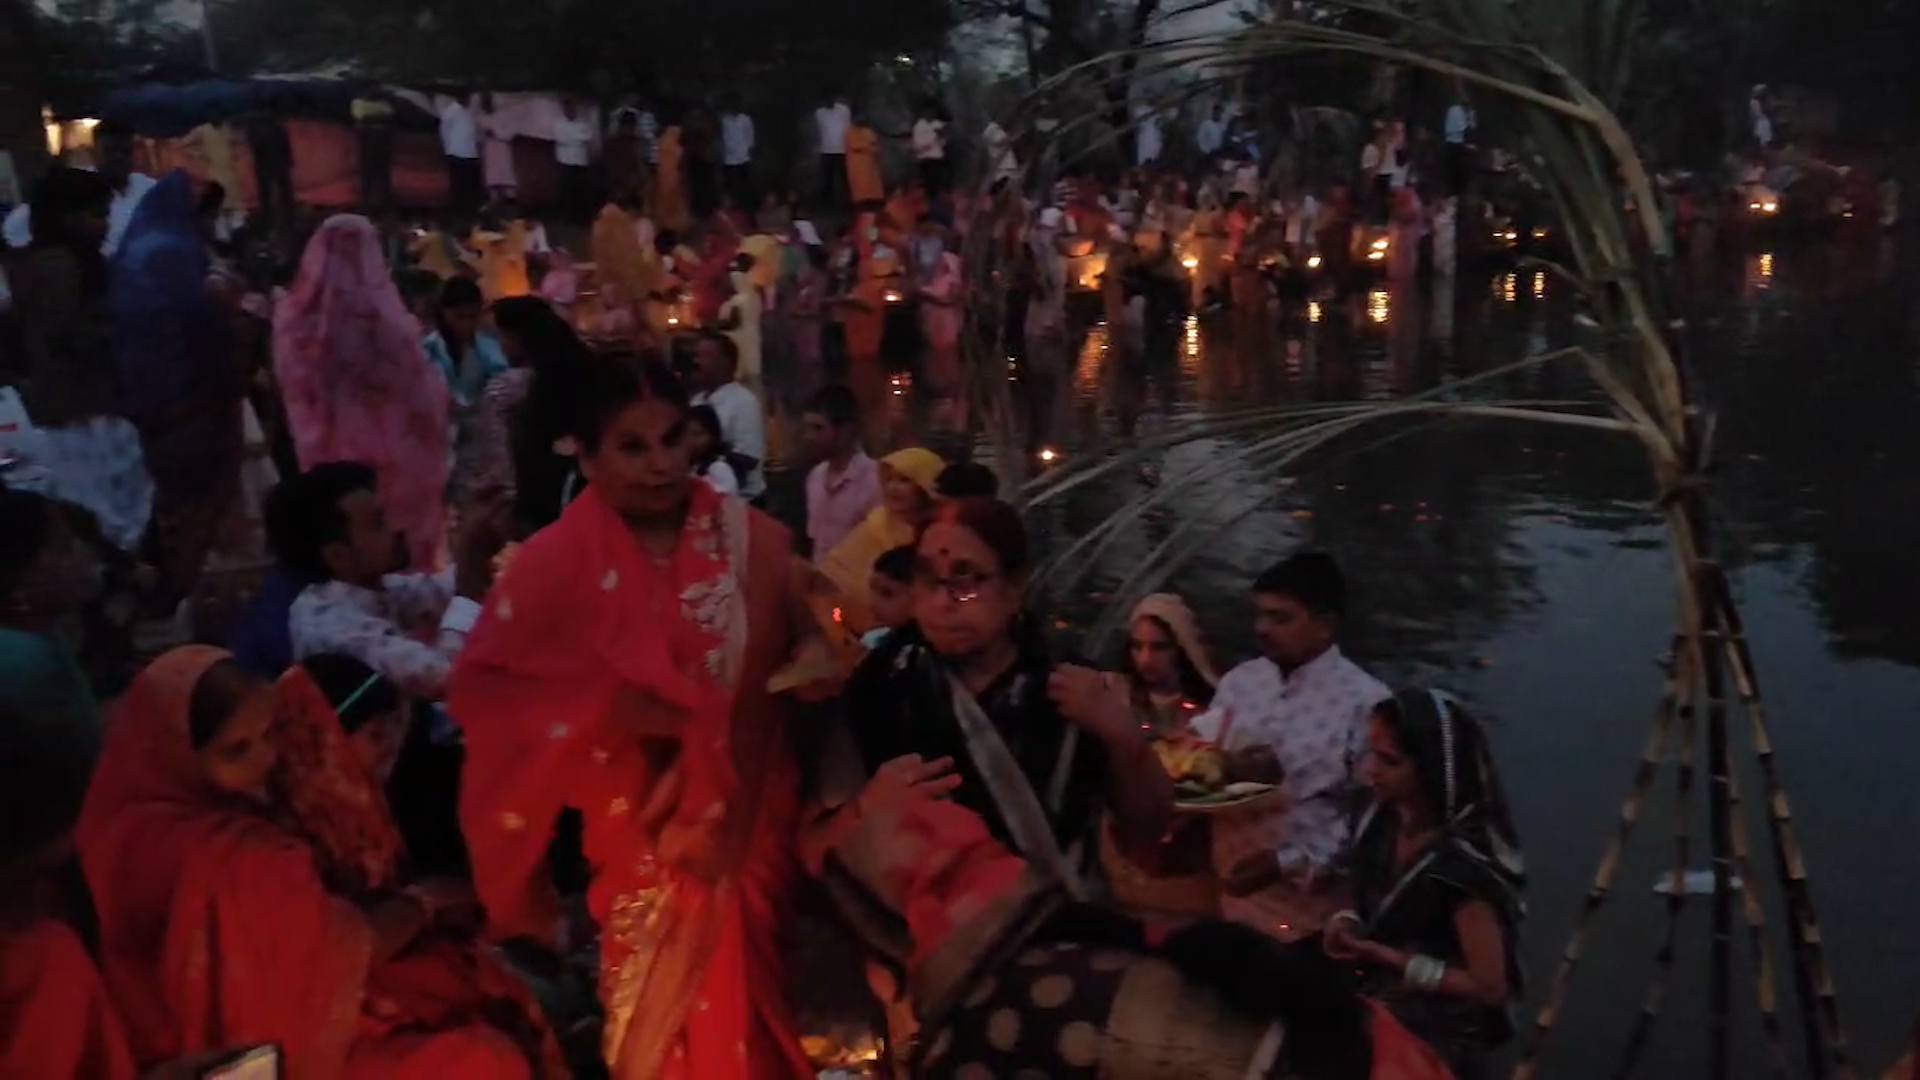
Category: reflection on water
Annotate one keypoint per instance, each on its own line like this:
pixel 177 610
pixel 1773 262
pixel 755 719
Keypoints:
pixel 1523 566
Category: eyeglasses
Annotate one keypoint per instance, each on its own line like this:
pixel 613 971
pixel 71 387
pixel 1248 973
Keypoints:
pixel 964 586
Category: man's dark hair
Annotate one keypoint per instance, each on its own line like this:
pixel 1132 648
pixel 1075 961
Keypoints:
pixel 835 402
pixel 967 480
pixel 1312 578
pixel 896 564
pixel 303 515
pixel 727 346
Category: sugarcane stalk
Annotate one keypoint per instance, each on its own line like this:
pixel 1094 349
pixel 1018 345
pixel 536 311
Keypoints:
pixel 1686 663
pixel 1766 997
pixel 1820 1008
pixel 1720 823
pixel 1644 773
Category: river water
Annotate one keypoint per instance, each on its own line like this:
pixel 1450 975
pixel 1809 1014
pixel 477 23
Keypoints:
pixel 1523 566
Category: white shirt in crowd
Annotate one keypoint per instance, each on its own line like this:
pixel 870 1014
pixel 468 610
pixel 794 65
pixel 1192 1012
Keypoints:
pixel 459 131
pixel 1459 122
pixel 1001 163
pixel 736 138
pixel 1211 136
pixel 647 126
pixel 1146 139
pixel 18 227
pixel 744 428
pixel 720 475
pixel 1762 123
pixel 833 121
pixel 572 141
pixel 376 627
pixel 1315 721
pixel 929 139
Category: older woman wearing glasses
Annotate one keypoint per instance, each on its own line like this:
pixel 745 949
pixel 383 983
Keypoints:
pixel 968 701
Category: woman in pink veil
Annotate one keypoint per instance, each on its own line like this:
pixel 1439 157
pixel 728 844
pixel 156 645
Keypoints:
pixel 356 383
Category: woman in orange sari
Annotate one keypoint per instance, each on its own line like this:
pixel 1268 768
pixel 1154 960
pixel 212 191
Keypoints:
pixel 631 277
pixel 622 669
pixel 216 928
pixel 863 165
pixel 669 192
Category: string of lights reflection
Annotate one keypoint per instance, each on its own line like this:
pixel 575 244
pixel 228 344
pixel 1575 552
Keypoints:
pixel 1507 286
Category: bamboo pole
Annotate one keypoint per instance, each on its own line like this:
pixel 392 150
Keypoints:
pixel 1602 888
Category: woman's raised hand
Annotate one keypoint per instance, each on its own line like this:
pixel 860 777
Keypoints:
pixel 1087 698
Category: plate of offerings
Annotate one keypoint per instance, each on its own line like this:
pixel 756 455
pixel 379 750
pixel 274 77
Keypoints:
pixel 1200 783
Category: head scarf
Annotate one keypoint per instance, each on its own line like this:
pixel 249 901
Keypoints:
pixel 356 381
pixel 849 566
pixel 1450 754
pixel 1172 612
pixel 212 919
pixel 321 793
pixel 920 465
pixel 149 758
pixel 167 329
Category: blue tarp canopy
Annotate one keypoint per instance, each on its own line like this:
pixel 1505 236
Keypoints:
pixel 163 110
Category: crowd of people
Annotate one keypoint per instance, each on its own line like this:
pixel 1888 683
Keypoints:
pixel 536 730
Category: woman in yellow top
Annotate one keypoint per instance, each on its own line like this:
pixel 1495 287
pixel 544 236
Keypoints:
pixel 503 261
pixel 863 165
pixel 669 197
pixel 906 503
pixel 437 253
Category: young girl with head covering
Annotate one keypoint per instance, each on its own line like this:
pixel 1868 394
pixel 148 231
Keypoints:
pixel 907 493
pixel 1172 681
pixel 1438 881
pixel 356 381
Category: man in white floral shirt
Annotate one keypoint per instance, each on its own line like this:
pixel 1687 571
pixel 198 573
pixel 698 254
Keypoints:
pixel 1306 705
pixel 408 627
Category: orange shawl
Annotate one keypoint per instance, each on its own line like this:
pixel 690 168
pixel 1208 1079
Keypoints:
pixel 634 692
pixel 215 929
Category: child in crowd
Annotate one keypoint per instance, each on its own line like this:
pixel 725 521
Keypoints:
pixel 891 594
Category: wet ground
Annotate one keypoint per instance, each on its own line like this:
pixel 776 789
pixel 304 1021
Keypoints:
pixel 1523 567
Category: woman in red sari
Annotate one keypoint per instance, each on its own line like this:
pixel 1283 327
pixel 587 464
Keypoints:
pixel 216 928
pixel 339 726
pixel 621 669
